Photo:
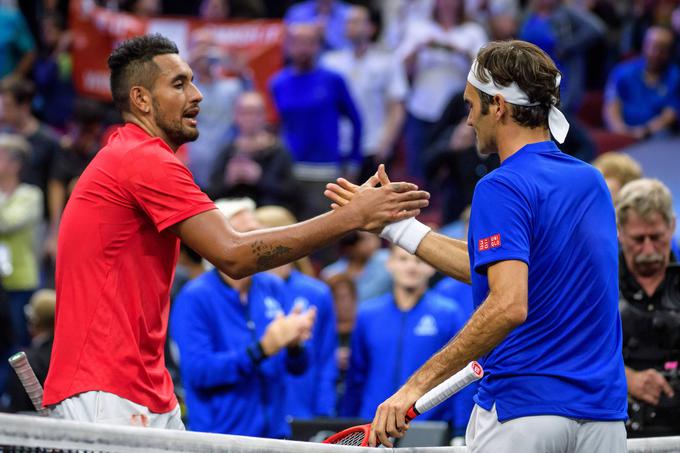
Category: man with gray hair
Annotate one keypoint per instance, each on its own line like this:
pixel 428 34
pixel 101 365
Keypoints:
pixel 649 279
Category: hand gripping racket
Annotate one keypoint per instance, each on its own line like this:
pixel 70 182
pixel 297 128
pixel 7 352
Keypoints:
pixel 358 435
pixel 27 377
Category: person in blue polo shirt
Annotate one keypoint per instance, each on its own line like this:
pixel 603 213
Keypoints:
pixel 642 97
pixel 542 258
pixel 237 344
pixel 396 333
pixel 310 101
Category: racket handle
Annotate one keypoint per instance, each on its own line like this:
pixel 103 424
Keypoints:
pixel 19 362
pixel 472 372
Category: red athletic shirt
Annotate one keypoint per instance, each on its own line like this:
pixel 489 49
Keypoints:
pixel 115 264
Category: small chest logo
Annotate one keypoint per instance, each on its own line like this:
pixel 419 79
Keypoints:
pixel 302 302
pixel 272 307
pixel 427 326
pixel 490 242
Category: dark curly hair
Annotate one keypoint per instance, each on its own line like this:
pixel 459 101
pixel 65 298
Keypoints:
pixel 532 70
pixel 131 63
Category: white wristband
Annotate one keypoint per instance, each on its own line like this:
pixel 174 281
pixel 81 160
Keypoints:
pixel 406 233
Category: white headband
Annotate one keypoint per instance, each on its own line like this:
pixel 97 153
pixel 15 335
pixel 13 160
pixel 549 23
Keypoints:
pixel 559 126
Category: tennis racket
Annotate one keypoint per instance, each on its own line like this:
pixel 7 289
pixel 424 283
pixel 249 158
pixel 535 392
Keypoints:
pixel 358 435
pixel 19 362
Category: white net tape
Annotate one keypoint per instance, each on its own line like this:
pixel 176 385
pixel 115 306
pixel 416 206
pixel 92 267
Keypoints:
pixel 20 433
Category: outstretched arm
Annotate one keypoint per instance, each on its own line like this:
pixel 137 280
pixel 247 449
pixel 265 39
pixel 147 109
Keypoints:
pixel 445 254
pixel 241 254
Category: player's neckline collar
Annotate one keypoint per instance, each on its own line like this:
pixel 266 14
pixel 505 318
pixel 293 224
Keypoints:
pixel 538 147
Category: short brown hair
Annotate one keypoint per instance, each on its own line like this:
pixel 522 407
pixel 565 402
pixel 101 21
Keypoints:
pixel 619 166
pixel 533 71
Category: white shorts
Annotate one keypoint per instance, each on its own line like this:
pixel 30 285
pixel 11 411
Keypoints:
pixel 107 408
pixel 542 434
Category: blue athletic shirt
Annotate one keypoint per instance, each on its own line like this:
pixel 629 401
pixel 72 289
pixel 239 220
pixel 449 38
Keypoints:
pixel 554 213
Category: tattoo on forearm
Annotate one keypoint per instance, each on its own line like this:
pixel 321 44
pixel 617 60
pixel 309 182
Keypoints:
pixel 267 256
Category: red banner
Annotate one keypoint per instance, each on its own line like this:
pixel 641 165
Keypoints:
pixel 96 31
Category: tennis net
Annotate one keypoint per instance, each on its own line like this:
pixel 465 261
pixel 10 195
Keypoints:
pixel 31 434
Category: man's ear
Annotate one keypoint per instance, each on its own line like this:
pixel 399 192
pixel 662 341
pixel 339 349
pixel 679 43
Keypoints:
pixel 140 99
pixel 502 107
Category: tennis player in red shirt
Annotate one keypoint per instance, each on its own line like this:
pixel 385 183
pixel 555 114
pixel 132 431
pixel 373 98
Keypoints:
pixel 119 242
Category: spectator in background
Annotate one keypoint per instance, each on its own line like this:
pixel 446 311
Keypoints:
pixel 310 101
pixel 53 73
pixel 437 53
pixel 345 302
pixel 566 34
pixel 618 170
pixel 220 91
pixel 311 394
pixel 642 15
pixel 329 15
pixel 397 14
pixel 20 212
pixel 17 47
pixel 40 314
pixel 378 85
pixel 649 280
pixel 236 345
pixel 79 147
pixel 16 98
pixel 255 163
pixel 502 20
pixel 642 97
pixel 414 323
pixel 363 261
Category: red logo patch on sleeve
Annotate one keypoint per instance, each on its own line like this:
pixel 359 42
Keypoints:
pixel 491 242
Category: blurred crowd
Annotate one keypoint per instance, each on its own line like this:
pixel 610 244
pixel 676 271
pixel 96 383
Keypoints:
pixel 363 83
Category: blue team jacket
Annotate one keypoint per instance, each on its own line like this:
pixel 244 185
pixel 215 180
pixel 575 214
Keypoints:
pixel 226 392
pixel 312 394
pixel 388 345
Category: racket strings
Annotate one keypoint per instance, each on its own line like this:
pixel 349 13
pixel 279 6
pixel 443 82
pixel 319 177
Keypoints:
pixel 352 439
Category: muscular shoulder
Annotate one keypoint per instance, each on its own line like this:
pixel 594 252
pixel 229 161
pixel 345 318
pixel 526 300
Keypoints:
pixel 509 180
pixel 147 161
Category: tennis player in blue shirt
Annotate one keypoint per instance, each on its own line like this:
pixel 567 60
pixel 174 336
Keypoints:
pixel 542 258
